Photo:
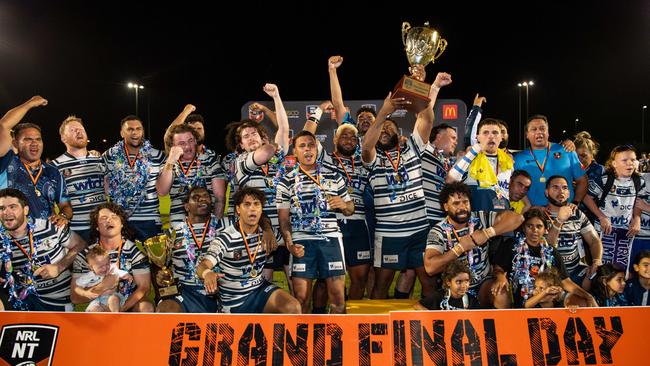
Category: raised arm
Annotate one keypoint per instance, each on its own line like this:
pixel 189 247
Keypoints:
pixel 471 123
pixel 424 121
pixel 282 136
pixel 179 120
pixel 11 119
pixel 372 135
pixel 335 87
pixel 166 176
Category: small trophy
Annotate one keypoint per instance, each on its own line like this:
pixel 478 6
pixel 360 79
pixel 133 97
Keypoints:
pixel 422 45
pixel 159 250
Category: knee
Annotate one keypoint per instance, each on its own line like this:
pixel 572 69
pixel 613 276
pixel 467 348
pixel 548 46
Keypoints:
pixel 293 307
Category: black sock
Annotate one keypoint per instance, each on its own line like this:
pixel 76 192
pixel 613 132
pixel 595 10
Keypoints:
pixel 319 310
pixel 400 295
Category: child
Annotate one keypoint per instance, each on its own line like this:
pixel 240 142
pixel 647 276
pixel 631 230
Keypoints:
pixel 530 256
pixel 454 296
pixel 548 292
pixel 608 285
pixel 637 288
pixel 100 267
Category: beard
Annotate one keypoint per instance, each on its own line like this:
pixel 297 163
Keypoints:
pixel 455 216
pixel 503 144
pixel 557 203
pixel 345 151
pixel 394 140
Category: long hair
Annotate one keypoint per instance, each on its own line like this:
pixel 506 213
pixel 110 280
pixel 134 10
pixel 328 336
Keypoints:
pixel 604 274
pixel 584 139
pixel 114 208
pixel 609 166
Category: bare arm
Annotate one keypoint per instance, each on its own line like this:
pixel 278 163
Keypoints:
pixel 570 287
pixel 595 248
pixel 179 120
pixel 424 121
pixel 372 135
pixel 582 185
pixel 166 176
pixel 53 270
pixel 282 136
pixel 143 281
pixel 11 119
pixel 435 262
pixel 80 295
pixel 219 189
pixel 335 87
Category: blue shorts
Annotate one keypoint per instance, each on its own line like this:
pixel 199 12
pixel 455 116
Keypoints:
pixel 356 243
pixel 84 234
pixel 323 258
pixel 34 303
pixel 578 274
pixel 256 300
pixel 143 230
pixel 193 300
pixel 400 252
pixel 278 259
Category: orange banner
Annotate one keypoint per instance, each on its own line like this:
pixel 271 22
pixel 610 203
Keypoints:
pixel 496 337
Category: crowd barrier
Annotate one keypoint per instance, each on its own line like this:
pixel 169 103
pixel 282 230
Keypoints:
pixel 595 336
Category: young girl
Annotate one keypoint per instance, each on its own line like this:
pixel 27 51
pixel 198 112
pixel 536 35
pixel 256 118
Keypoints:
pixel 611 199
pixel 637 288
pixel 454 295
pixel 532 255
pixel 608 285
pixel 100 267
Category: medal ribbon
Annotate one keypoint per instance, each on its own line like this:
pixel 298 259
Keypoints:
pixel 399 155
pixel 31 246
pixel 344 169
pixel 119 254
pixel 186 171
pixel 252 257
pixel 205 231
pixel 128 157
pixel 29 171
pixel 317 180
pixel 543 166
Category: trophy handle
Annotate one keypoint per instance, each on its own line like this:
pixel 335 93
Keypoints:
pixel 442 45
pixel 405 28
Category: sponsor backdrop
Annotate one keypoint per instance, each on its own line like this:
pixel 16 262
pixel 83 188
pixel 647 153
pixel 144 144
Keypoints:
pixel 498 337
pixel 450 111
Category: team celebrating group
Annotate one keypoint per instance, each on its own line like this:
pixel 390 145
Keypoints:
pixel 485 228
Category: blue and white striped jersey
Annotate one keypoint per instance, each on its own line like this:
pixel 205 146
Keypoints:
pixel 434 172
pixel 356 179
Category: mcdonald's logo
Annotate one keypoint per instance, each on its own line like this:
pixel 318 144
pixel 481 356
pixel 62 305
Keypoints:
pixel 449 111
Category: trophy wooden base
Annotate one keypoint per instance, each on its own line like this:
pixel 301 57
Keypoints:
pixel 415 91
pixel 169 291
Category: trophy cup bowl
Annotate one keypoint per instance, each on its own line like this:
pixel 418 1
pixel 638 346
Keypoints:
pixel 423 45
pixel 159 250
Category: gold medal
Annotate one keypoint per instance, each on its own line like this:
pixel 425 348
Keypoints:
pixel 253 272
pixel 38 193
pixel 542 179
pixel 350 190
pixel 269 182
pixel 398 178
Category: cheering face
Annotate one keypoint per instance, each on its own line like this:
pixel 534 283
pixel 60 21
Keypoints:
pixel 625 163
pixel 100 265
pixel 132 132
pixel 458 208
pixel 489 137
pixel 537 133
pixel 199 203
pixel 187 142
pixel 250 139
pixel 459 285
pixel 74 135
pixel 643 268
pixel 12 213
pixel 364 121
pixel 346 142
pixel 617 283
pixel 389 137
pixel 109 223
pixel 250 211
pixel 558 192
pixel 306 150
pixel 534 229
pixel 584 155
pixel 519 187
pixel 446 140
pixel 29 144
pixel 198 127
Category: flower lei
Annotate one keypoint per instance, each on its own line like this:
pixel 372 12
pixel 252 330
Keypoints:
pixel 448 229
pixel 444 304
pixel 521 265
pixel 229 162
pixel 277 161
pixel 18 291
pixel 307 220
pixel 126 185
pixel 189 182
pixel 191 249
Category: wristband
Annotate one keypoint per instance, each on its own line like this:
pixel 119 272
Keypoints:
pixel 316 115
pixel 490 232
pixel 453 249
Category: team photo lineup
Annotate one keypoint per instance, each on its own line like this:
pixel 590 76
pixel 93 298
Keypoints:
pixel 176 228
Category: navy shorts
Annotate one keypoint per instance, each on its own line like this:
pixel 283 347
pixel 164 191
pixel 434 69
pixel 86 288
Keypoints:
pixel 323 258
pixel 34 303
pixel 356 243
pixel 193 300
pixel 256 300
pixel 400 252
pixel 143 230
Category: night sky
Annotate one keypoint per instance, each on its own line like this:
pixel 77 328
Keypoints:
pixel 589 60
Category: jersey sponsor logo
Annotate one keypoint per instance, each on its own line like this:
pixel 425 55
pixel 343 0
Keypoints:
pixel 299 267
pixel 28 344
pixel 335 265
pixel 365 254
pixel 390 258
pixel 408 197
pixel 88 184
pixel 449 111
pixel 557 155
